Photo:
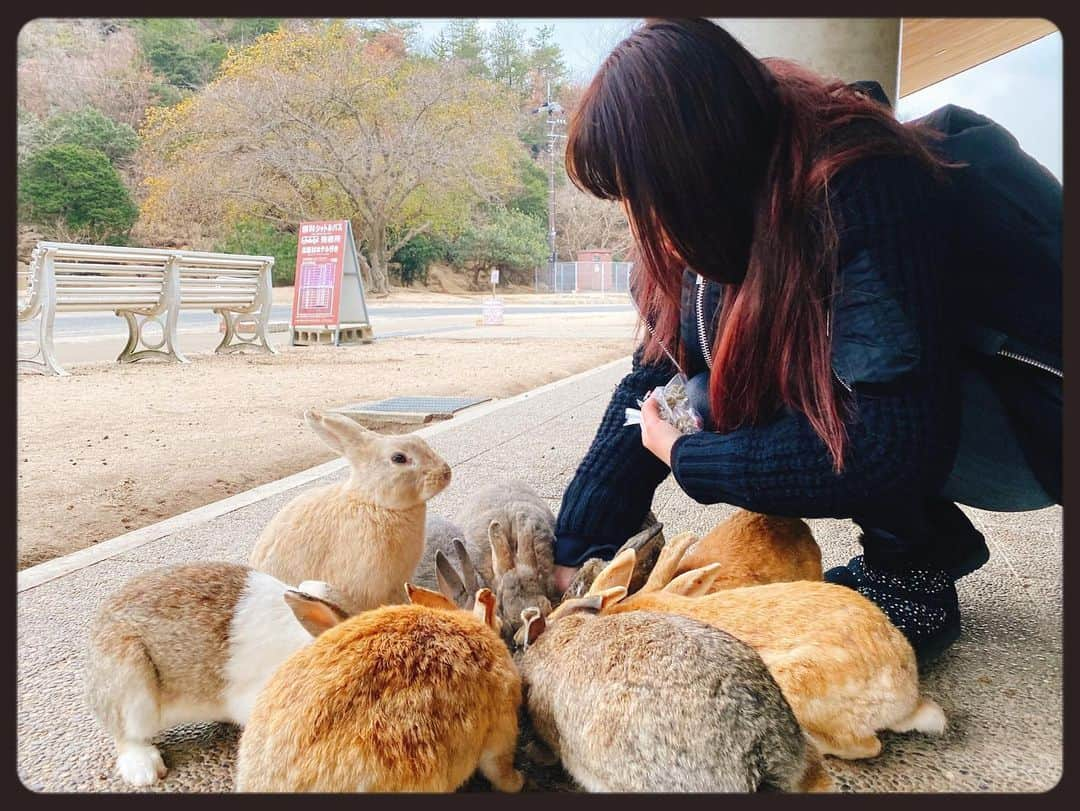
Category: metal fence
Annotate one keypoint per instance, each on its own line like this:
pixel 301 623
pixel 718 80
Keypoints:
pixel 578 277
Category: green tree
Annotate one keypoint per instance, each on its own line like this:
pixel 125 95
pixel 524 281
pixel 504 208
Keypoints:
pixel 462 40
pixel 507 59
pixel 531 198
pixel 261 238
pixel 546 60
pixel 180 50
pixel 92 129
pixel 80 187
pixel 505 239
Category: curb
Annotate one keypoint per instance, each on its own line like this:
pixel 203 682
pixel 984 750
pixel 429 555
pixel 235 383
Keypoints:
pixel 74 561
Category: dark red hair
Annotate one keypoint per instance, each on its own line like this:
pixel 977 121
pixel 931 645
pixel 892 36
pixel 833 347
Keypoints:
pixel 723 162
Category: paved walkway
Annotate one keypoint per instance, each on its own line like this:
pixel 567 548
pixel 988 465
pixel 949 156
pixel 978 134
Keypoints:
pixel 1001 685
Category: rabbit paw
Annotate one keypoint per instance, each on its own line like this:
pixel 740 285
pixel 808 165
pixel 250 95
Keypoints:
pixel 141 765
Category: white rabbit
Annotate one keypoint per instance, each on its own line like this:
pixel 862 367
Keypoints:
pixel 365 535
pixel 191 643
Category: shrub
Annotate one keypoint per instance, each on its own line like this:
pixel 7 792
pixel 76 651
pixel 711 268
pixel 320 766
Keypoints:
pixel 79 187
pixel 261 238
pixel 92 129
pixel 415 257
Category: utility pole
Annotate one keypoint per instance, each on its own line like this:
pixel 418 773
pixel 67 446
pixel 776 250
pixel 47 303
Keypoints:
pixel 554 123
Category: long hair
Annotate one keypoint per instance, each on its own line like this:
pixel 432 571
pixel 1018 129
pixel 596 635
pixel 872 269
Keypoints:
pixel 723 163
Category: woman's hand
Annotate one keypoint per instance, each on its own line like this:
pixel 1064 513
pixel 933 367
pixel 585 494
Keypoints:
pixel 656 434
pixel 564 575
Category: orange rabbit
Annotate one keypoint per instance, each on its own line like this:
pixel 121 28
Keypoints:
pixel 753 549
pixel 401 698
pixel 846 671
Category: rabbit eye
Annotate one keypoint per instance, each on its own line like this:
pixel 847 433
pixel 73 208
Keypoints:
pixel 399 458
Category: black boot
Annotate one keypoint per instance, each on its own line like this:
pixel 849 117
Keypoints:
pixel 922 603
pixel 962 548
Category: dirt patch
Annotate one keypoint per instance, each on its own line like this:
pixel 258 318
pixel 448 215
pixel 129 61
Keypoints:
pixel 116 447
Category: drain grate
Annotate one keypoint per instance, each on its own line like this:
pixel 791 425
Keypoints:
pixel 419 405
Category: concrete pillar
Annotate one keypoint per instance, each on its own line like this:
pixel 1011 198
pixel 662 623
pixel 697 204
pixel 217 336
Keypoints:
pixel 851 49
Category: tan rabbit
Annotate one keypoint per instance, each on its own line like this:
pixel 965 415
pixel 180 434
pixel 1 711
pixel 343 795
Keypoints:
pixel 648 702
pixel 364 535
pixel 402 698
pixel 753 549
pixel 191 643
pixel 846 671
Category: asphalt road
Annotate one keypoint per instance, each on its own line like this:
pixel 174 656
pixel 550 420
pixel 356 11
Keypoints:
pixel 94 325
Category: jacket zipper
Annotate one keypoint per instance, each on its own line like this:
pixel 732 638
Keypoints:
pixel 1005 353
pixel 703 334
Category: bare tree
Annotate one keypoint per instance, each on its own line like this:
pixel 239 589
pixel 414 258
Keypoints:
pixel 586 222
pixel 320 122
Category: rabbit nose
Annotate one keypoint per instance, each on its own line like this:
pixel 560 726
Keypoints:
pixel 444 473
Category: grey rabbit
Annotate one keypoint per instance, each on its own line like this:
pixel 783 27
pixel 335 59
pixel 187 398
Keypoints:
pixel 649 702
pixel 525 517
pixel 439 536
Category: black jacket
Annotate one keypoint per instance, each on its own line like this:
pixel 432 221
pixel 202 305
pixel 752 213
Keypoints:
pixel 897 349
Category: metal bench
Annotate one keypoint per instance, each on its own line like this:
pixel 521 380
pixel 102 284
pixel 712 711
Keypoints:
pixel 148 287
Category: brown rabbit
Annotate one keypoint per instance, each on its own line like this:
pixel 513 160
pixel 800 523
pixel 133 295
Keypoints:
pixel 401 698
pixel 753 549
pixel 518 578
pixel 846 671
pixel 364 535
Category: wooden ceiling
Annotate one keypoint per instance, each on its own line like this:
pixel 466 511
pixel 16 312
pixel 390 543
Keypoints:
pixel 936 48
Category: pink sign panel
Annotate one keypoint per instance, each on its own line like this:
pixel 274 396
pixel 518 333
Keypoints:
pixel 320 260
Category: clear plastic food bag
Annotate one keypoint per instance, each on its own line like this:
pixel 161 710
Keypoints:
pixel 674 407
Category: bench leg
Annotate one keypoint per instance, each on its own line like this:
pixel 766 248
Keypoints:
pixel 43 359
pixel 235 341
pixel 164 348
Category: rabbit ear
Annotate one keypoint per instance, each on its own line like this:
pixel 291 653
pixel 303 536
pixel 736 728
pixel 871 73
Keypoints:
pixel 526 551
pixel 590 602
pixel 449 581
pixel 484 610
pixel 617 573
pixel 337 431
pixel 468 570
pixel 429 598
pixel 667 564
pixel 502 560
pixel 314 614
pixel 695 582
pixel 532 625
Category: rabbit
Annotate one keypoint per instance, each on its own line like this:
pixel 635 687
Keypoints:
pixel 648 702
pixel 191 643
pixel 401 698
pixel 439 536
pixel 844 668
pixel 365 535
pixel 524 515
pixel 755 549
pixel 646 545
pixel 517 583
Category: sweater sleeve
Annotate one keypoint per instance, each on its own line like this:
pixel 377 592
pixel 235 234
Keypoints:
pixel 609 496
pixel 902 433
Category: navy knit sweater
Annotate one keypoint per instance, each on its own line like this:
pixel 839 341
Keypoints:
pixel 892 345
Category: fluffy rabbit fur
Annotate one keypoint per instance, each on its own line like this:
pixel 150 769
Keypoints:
pixel 190 643
pixel 846 671
pixel 754 549
pixel 366 534
pixel 524 516
pixel 439 536
pixel 646 702
pixel 402 698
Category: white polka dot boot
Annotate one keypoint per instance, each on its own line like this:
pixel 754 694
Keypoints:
pixel 922 603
